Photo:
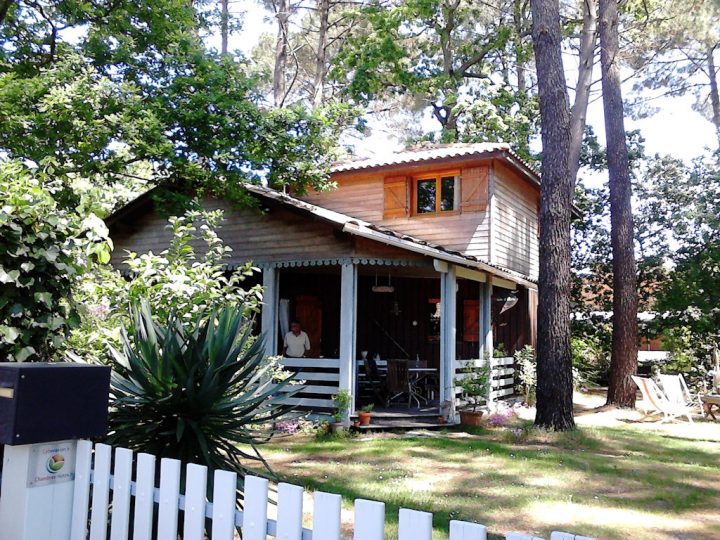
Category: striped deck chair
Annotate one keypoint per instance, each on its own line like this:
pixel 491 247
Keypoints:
pixel 677 391
pixel 655 400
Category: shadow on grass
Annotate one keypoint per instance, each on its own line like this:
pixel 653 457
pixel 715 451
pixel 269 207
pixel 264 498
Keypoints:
pixel 601 467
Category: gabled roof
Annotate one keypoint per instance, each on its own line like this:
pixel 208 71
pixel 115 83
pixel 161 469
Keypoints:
pixel 365 229
pixel 350 225
pixel 440 151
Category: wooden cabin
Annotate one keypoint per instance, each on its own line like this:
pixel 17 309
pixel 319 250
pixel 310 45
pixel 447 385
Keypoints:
pixel 428 255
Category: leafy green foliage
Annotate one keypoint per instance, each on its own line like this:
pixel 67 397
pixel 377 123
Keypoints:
pixel 474 381
pixel 341 402
pixel 683 202
pixel 451 56
pixel 592 252
pixel 43 252
pixel 124 84
pixel 199 391
pixel 591 362
pixel 181 280
pixel 526 365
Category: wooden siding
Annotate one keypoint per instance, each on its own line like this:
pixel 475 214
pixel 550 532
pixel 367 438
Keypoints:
pixel 362 197
pixel 277 235
pixel 515 328
pixel 514 223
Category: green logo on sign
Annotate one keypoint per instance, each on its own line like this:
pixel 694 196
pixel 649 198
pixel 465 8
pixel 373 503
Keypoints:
pixel 55 463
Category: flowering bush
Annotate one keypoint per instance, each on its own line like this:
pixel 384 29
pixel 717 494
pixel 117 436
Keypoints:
pixel 181 281
pixel 526 373
pixel 500 418
pixel 44 251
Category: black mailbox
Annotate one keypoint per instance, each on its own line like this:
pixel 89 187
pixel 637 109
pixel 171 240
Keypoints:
pixel 45 402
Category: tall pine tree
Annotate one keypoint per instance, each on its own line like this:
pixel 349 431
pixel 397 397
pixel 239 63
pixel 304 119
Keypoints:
pixel 623 364
pixel 554 366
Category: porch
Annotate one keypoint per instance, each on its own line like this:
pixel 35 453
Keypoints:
pixel 429 315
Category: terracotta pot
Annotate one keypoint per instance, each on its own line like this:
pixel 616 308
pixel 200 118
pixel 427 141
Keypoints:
pixel 441 420
pixel 356 423
pixel 471 418
pixel 364 418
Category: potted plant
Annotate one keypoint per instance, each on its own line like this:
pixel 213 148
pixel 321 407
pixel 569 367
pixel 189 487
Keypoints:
pixel 341 401
pixel 365 414
pixel 474 384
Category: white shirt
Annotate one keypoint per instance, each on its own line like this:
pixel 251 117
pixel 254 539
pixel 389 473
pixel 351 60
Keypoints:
pixel 296 345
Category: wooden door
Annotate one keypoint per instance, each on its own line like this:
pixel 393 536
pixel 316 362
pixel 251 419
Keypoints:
pixel 308 312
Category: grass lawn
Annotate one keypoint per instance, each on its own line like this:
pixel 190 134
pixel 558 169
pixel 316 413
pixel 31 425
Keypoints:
pixel 610 479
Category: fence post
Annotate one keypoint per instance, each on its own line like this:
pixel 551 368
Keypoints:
pixel 44 409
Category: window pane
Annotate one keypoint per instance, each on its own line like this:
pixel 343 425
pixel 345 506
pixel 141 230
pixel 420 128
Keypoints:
pixel 425 196
pixel 447 193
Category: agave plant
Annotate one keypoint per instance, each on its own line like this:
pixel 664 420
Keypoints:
pixel 200 392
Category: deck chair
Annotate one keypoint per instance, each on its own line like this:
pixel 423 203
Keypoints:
pixel 655 400
pixel 677 391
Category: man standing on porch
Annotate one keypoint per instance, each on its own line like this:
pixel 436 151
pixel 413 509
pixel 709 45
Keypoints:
pixel 297 342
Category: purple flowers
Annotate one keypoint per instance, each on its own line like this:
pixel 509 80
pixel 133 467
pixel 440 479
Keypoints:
pixel 291 427
pixel 500 418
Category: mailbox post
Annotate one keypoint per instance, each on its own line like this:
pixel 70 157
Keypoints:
pixel 44 409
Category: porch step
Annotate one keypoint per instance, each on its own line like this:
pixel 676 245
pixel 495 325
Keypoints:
pixel 400 415
pixel 399 424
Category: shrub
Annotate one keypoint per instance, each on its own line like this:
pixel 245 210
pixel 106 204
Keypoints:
pixel 525 365
pixel 501 418
pixel 44 249
pixel 198 391
pixel 590 362
pixel 180 280
pixel 341 401
pixel 474 381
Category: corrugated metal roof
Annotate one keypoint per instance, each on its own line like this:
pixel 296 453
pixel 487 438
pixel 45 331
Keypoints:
pixel 356 226
pixel 428 153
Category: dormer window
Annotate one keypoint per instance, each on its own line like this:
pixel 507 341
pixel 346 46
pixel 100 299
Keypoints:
pixel 436 193
pixel 440 193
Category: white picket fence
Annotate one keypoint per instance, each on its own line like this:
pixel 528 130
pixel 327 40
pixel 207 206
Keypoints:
pixel 167 501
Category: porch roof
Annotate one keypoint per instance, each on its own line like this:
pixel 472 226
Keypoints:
pixel 364 229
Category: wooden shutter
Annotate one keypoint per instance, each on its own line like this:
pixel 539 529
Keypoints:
pixel 474 189
pixel 471 321
pixel 395 197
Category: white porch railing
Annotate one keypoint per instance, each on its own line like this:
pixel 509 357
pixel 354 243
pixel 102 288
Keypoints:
pixel 502 376
pixel 322 379
pixel 163 504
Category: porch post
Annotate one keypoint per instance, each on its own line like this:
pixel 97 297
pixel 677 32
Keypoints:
pixel 348 316
pixel 448 303
pixel 486 334
pixel 269 316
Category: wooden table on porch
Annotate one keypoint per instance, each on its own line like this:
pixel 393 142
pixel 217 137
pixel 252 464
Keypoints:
pixel 710 401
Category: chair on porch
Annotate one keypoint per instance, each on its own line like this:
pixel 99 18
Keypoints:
pixel 399 382
pixel 376 383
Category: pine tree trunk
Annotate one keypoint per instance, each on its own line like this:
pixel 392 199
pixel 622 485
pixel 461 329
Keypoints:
pixel 321 53
pixel 554 368
pixel 586 60
pixel 714 95
pixel 224 23
pixel 281 46
pixel 623 363
pixel 4 8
